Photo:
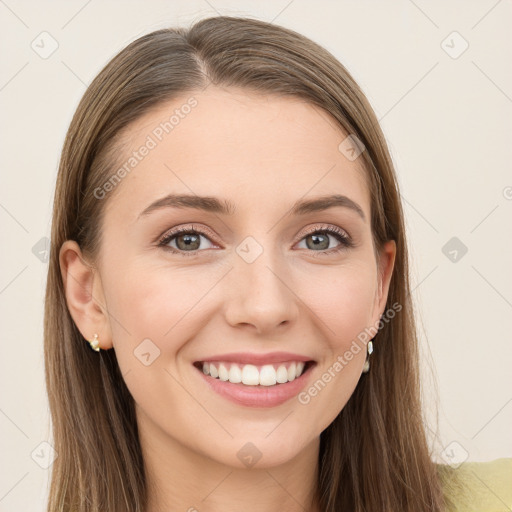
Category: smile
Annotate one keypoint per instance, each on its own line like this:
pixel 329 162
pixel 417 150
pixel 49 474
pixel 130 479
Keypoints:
pixel 261 387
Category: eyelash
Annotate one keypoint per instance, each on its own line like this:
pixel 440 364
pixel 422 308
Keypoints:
pixel 340 235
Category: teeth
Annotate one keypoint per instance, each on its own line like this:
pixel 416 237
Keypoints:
pixel 292 372
pixel 282 375
pixel 235 374
pixel 250 375
pixel 223 372
pixel 267 375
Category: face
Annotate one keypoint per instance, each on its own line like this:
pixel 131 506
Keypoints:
pixel 261 278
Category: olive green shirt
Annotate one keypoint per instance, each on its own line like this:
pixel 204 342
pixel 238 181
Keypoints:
pixel 479 486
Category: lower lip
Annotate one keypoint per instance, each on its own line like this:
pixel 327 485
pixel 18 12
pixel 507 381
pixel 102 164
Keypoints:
pixel 258 396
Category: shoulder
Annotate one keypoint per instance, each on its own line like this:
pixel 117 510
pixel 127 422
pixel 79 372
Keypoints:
pixel 478 486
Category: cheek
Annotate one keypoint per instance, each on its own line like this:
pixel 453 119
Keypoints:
pixel 342 300
pixel 157 303
pixel 150 320
pixel 342 307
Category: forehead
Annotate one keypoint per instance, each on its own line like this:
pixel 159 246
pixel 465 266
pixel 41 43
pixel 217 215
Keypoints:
pixel 232 143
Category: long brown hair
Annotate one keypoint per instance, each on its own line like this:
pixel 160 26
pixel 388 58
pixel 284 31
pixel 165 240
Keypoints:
pixel 374 456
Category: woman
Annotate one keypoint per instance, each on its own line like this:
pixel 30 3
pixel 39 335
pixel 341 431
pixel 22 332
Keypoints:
pixel 229 241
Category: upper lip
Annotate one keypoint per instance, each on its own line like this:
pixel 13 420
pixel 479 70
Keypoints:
pixel 256 359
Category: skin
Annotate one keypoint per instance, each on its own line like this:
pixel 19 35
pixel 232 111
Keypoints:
pixel 262 153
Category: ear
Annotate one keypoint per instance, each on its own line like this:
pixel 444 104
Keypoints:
pixel 385 270
pixel 84 294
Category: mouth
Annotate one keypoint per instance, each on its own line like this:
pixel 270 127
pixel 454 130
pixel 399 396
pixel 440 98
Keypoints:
pixel 256 376
pixel 269 385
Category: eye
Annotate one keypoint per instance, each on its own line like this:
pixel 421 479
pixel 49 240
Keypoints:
pixel 318 239
pixel 186 240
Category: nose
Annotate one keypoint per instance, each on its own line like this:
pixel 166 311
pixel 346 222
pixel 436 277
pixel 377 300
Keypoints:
pixel 261 296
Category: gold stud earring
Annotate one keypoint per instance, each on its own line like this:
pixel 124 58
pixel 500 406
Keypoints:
pixel 366 367
pixel 95 344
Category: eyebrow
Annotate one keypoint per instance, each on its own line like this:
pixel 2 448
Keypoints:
pixel 226 207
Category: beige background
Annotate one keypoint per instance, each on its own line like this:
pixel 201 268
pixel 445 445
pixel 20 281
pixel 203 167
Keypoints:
pixel 447 116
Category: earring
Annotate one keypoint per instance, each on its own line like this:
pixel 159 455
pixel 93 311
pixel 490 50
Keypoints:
pixel 366 367
pixel 95 344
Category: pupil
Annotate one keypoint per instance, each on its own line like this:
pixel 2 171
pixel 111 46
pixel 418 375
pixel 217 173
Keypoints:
pixel 188 241
pixel 317 241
